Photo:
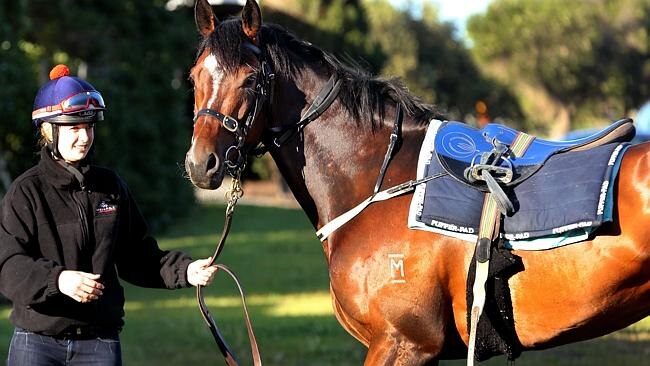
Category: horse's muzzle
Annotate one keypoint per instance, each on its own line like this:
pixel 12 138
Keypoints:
pixel 207 172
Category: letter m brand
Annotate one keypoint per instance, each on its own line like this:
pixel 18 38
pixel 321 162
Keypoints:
pixel 396 268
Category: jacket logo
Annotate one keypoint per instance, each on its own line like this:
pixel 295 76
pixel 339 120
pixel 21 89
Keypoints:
pixel 106 208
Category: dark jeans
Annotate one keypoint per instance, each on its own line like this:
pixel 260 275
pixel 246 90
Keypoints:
pixel 31 349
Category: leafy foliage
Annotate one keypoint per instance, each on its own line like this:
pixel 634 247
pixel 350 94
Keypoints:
pixel 419 49
pixel 136 53
pixel 18 80
pixel 590 58
pixel 552 65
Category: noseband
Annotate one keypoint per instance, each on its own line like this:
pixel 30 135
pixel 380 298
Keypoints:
pixel 235 157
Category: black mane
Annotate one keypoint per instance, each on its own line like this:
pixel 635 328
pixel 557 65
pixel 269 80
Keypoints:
pixel 363 95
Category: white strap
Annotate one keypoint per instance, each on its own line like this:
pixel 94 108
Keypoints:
pixel 477 307
pixel 391 192
pixel 331 226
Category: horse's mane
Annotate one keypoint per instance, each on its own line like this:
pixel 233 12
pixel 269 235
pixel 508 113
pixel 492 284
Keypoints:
pixel 363 95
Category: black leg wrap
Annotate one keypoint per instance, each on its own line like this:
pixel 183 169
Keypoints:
pixel 496 327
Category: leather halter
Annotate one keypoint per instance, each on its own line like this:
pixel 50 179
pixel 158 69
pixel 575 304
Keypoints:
pixel 263 92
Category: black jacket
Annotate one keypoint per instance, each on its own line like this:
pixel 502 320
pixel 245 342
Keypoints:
pixel 51 222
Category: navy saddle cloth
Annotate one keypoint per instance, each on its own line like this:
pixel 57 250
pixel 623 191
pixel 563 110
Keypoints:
pixel 554 190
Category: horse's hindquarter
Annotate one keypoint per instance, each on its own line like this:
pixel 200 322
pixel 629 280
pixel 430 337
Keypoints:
pixel 589 289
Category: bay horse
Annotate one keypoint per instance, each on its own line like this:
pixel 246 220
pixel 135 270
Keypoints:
pixel 330 163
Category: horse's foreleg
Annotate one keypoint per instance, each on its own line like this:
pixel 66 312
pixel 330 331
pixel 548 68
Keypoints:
pixel 391 350
pixel 380 353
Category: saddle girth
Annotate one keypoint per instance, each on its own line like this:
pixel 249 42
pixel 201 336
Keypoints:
pixel 495 205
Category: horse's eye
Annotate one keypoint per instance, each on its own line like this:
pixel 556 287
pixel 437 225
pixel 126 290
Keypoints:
pixel 250 81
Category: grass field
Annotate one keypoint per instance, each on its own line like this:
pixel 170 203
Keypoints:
pixel 282 267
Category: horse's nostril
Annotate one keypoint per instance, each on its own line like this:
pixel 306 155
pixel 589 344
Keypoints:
pixel 212 162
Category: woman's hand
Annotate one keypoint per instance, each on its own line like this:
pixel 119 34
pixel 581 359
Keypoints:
pixel 199 273
pixel 81 286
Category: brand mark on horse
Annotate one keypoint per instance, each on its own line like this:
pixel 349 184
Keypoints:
pixel 397 268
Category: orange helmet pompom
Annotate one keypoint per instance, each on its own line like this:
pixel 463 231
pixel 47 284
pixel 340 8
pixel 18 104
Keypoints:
pixel 59 71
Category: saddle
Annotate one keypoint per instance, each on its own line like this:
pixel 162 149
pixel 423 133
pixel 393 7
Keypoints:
pixel 495 160
pixel 464 151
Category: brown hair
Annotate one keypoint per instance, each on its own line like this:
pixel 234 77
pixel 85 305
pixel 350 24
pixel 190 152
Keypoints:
pixel 45 131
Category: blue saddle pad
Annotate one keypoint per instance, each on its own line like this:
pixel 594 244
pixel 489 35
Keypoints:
pixel 464 143
pixel 458 146
pixel 569 191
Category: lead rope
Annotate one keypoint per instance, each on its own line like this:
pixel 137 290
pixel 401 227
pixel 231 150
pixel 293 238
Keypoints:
pixel 232 196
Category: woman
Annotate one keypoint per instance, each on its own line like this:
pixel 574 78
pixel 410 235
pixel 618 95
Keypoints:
pixel 67 230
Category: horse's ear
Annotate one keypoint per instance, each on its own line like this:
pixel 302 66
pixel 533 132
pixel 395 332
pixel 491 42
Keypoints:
pixel 204 17
pixel 251 20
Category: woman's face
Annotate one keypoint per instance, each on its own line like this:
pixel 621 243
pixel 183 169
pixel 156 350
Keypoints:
pixel 75 141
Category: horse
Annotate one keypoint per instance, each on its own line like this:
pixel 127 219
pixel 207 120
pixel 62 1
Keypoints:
pixel 255 85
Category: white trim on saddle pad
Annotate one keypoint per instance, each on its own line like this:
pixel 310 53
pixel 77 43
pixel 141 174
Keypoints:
pixel 426 153
pixel 547 242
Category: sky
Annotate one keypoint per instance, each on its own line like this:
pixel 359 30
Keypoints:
pixel 456 11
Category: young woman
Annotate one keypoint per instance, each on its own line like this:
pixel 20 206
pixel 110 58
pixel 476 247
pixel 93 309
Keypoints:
pixel 68 229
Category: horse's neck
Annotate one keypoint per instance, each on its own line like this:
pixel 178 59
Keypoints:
pixel 334 164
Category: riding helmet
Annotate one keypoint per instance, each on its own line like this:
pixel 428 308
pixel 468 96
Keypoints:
pixel 67 99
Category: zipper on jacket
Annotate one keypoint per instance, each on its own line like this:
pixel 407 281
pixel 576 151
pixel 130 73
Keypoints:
pixel 84 219
pixel 85 230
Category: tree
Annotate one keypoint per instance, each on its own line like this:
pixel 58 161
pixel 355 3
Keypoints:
pixel 18 78
pixel 391 42
pixel 573 63
pixel 136 53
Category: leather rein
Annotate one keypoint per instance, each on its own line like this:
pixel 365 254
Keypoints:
pixel 235 162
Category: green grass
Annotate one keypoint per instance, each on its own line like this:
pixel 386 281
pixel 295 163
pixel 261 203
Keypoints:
pixel 282 268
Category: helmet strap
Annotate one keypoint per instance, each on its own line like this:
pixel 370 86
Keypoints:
pixel 54 145
pixel 56 154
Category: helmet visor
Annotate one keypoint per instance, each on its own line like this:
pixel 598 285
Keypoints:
pixel 82 101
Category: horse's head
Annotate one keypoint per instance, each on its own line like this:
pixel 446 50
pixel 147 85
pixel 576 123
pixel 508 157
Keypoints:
pixel 231 85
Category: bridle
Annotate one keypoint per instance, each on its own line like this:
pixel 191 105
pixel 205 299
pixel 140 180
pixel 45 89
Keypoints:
pixel 236 154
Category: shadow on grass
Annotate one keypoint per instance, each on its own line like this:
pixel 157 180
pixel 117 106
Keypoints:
pixel 208 220
pixel 272 250
pixel 604 351
pixel 183 339
pixel 275 253
pixel 175 334
pixel 280 262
